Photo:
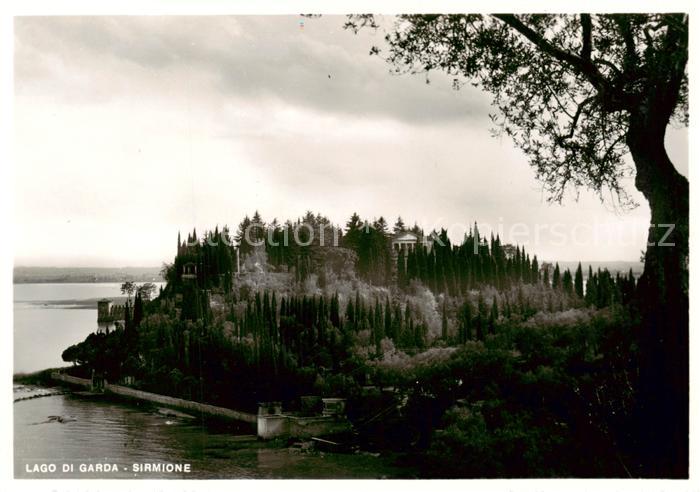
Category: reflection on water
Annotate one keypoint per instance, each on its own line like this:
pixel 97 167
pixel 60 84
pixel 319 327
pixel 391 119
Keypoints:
pixel 98 431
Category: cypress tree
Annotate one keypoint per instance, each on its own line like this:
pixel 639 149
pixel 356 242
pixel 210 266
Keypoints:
pixel 567 282
pixel 556 277
pixel 350 315
pixel 335 311
pixel 397 321
pixel 480 317
pixel 138 310
pixel 535 270
pixel 493 316
pixel 128 326
pixel 401 269
pixel 444 318
pixel 578 281
pixel 591 288
pixel 388 326
pixel 465 322
pixel 494 308
pixel 408 326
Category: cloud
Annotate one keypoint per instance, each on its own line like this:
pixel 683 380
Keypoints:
pixel 130 128
pixel 239 58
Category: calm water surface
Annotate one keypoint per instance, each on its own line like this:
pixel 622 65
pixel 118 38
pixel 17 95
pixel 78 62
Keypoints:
pixel 97 431
pixel 102 431
pixel 46 323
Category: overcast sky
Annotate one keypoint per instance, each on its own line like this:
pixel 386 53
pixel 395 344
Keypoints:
pixel 128 129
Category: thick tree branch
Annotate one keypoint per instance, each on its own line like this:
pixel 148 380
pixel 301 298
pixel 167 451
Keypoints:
pixel 585 68
pixel 586 37
pixel 675 47
pixel 631 58
pixel 611 65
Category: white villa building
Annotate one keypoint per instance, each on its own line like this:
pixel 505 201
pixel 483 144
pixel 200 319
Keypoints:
pixel 406 241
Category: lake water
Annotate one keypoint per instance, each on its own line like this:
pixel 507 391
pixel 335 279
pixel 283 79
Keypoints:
pixel 98 431
pixel 105 432
pixel 46 323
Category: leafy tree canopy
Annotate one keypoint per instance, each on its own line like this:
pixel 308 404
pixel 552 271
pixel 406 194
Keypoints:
pixel 566 87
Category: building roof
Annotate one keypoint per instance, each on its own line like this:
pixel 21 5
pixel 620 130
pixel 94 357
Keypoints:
pixel 405 235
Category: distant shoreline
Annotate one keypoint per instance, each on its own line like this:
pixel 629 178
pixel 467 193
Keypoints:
pixel 90 303
pixel 71 281
pixel 104 275
pixel 84 275
pixel 40 377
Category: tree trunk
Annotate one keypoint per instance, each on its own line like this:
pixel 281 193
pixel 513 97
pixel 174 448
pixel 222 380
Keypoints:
pixel 662 297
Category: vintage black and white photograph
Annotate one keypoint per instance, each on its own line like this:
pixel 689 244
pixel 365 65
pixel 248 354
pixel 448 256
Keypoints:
pixel 360 246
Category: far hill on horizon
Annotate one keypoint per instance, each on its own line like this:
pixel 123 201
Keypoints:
pixel 43 274
pixel 33 274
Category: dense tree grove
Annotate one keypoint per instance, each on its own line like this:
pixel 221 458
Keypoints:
pixel 371 243
pixel 225 337
pixel 545 401
pixel 578 93
pixel 435 262
pixel 282 332
pixel 476 262
pixel 210 259
pixel 603 289
pixel 299 245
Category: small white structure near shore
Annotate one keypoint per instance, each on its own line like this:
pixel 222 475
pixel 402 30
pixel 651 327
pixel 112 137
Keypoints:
pixel 273 423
